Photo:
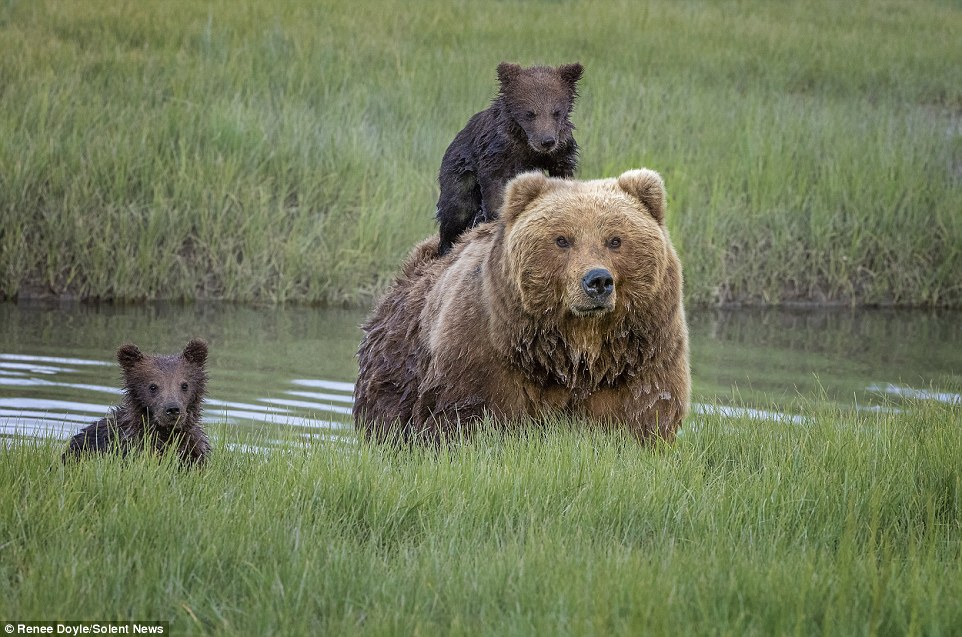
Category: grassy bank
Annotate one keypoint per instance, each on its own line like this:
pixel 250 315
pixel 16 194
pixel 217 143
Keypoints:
pixel 849 525
pixel 289 151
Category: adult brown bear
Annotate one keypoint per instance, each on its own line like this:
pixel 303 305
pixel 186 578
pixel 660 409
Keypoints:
pixel 569 304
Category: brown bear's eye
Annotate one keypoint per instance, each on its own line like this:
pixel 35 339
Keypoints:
pixel 183 386
pixel 614 242
pixel 556 114
pixel 529 115
pixel 562 242
pixel 152 388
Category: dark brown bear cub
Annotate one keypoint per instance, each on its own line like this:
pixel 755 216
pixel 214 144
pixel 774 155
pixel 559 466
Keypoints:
pixel 161 407
pixel 527 127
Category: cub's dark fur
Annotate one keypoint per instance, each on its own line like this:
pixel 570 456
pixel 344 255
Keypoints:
pixel 161 407
pixel 527 127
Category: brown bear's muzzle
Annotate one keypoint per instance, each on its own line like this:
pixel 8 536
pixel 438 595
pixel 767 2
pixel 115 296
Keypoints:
pixel 170 415
pixel 598 286
pixel 544 144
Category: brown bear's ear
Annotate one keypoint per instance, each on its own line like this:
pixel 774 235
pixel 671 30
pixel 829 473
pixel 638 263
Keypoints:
pixel 647 187
pixel 520 192
pixel 507 73
pixel 196 352
pixel 129 355
pixel 571 73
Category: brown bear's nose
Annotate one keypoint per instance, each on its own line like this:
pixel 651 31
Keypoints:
pixel 598 284
pixel 172 410
pixel 548 143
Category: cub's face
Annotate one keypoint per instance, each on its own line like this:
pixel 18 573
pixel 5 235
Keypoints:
pixel 540 101
pixel 586 249
pixel 167 387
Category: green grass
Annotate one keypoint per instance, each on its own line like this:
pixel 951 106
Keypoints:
pixel 849 525
pixel 278 152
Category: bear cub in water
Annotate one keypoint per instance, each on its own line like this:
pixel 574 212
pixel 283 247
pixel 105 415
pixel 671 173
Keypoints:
pixel 527 127
pixel 161 407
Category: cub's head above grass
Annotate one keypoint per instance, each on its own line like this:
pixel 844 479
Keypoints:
pixel 568 305
pixel 166 390
pixel 163 400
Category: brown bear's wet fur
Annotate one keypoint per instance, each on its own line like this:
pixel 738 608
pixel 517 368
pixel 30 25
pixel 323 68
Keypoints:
pixel 506 325
pixel 163 398
pixel 527 127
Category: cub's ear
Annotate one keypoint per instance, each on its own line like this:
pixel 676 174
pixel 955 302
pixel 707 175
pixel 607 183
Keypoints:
pixel 571 73
pixel 129 355
pixel 520 192
pixel 647 187
pixel 196 352
pixel 508 72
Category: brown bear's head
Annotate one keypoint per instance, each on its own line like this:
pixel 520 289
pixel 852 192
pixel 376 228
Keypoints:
pixel 539 101
pixel 584 249
pixel 169 389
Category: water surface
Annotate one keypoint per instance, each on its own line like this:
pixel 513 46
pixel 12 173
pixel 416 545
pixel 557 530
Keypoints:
pixel 270 368
pixel 291 369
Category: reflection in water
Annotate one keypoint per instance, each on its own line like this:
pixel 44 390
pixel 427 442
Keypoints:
pixel 287 371
pixel 41 417
pixel 917 394
pixel 706 409
pixel 26 415
pixel 290 370
pixel 776 357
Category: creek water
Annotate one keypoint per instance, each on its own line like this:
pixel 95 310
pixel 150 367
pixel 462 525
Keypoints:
pixel 284 370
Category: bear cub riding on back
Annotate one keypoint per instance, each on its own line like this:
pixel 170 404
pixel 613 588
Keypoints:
pixel 527 127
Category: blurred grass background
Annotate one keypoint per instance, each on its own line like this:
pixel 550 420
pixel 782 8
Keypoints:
pixel 288 152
